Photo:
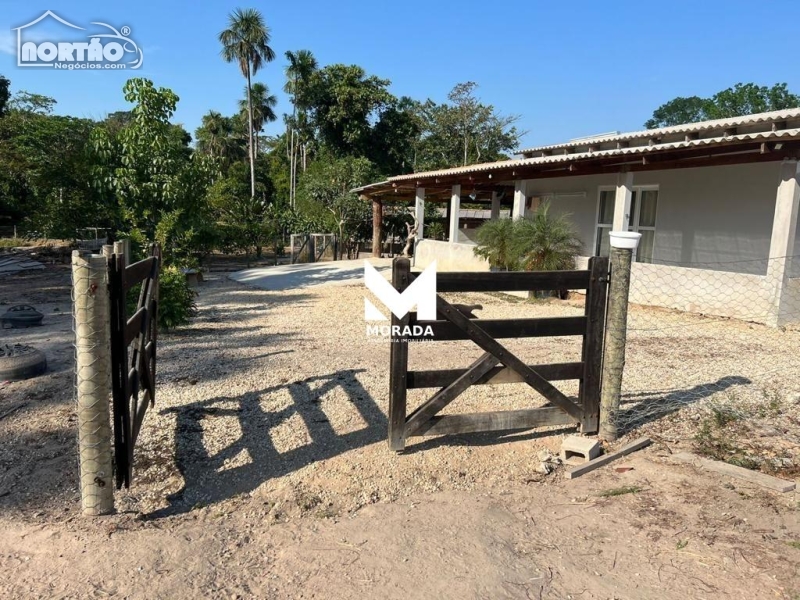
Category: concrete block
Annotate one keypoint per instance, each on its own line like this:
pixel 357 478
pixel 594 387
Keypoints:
pixel 579 450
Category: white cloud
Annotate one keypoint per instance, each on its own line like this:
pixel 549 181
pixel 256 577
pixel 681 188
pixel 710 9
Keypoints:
pixel 8 42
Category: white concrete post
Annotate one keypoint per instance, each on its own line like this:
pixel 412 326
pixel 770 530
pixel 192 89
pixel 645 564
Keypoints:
pixel 518 212
pixel 455 209
pixel 622 201
pixel 419 211
pixel 93 380
pixel 623 245
pixel 781 248
pixel 495 206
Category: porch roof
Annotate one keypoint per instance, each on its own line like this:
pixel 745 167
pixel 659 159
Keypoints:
pixel 770 136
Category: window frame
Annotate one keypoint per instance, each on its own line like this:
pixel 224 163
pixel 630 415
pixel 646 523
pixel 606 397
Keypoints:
pixel 637 189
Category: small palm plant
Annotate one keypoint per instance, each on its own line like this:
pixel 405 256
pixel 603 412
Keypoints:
pixel 545 242
pixel 496 243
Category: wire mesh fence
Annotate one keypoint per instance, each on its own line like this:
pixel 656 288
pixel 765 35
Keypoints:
pixel 712 340
pixel 93 381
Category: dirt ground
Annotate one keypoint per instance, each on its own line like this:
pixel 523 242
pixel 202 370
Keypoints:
pixel 263 470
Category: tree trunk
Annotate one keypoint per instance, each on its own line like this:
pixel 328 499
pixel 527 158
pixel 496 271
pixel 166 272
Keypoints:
pixel 377 222
pixel 250 137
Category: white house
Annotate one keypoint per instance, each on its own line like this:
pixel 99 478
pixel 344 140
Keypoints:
pixel 716 203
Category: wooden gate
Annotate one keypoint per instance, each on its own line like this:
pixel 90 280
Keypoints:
pixel 498 365
pixel 133 351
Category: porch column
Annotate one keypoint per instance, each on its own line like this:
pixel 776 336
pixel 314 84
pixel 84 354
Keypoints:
pixel 419 212
pixel 781 248
pixel 377 227
pixel 622 201
pixel 495 206
pixel 455 209
pixel 518 211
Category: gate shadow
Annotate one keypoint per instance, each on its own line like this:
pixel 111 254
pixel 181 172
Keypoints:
pixel 206 481
pixel 651 406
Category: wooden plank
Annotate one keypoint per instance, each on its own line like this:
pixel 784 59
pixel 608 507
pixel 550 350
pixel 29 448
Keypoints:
pixel 593 343
pixel 138 272
pixel 495 348
pixel 509 420
pixel 398 362
pixel 608 458
pixel 444 331
pixel 723 468
pixel 134 325
pixel 496 376
pixel 511 281
pixel 446 395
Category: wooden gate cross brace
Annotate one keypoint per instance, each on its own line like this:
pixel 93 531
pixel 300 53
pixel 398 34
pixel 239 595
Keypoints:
pixel 494 353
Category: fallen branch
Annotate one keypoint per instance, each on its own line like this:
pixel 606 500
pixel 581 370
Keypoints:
pixel 13 410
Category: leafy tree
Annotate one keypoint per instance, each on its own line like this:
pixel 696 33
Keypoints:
pixel 263 108
pixel 741 99
pixel 325 188
pixel 678 111
pixel 150 170
pixel 28 102
pixel 396 135
pixel 5 94
pixel 246 42
pixel 343 103
pixel 218 137
pixel 464 131
pixel 246 222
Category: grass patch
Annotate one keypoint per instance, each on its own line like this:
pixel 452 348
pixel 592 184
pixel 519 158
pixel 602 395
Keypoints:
pixel 682 544
pixel 794 544
pixel 620 491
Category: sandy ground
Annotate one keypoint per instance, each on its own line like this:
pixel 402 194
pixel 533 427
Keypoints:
pixel 263 470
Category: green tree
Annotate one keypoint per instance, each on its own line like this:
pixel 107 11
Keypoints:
pixel 396 135
pixel 465 131
pixel 246 42
pixel 148 167
pixel 739 100
pixel 218 138
pixel 302 66
pixel 5 94
pixel 263 104
pixel 343 104
pixel 325 188
pixel 246 222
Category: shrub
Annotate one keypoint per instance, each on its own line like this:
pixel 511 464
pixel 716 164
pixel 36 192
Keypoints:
pixel 541 242
pixel 176 299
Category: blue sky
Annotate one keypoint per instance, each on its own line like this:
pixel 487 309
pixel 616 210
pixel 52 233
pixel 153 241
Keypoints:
pixel 568 69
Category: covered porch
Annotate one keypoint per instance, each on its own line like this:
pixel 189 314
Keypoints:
pixel 716 204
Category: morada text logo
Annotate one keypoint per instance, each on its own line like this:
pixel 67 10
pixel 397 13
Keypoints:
pixel 108 48
pixel 421 292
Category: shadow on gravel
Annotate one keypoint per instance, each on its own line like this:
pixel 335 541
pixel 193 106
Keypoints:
pixel 206 481
pixel 651 406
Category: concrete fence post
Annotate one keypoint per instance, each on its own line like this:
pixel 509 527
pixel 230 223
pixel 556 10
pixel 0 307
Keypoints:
pixel 93 381
pixel 623 245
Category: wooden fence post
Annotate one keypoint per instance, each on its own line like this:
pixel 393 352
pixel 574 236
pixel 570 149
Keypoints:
pixel 595 311
pixel 623 245
pixel 398 362
pixel 93 381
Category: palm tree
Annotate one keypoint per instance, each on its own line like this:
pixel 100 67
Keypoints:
pixel 246 41
pixel 301 67
pixel 546 242
pixel 264 104
pixel 495 242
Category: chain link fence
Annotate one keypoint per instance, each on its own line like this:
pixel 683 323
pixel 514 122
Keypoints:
pixel 712 357
pixel 93 380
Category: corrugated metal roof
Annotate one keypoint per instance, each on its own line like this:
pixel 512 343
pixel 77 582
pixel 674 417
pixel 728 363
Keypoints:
pixel 774 116
pixel 763 136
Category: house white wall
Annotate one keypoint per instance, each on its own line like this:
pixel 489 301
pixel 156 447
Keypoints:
pixel 716 218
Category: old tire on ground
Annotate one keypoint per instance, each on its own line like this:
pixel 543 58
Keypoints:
pixel 19 362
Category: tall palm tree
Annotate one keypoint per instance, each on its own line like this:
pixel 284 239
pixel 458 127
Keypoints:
pixel 264 105
pixel 246 41
pixel 301 67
